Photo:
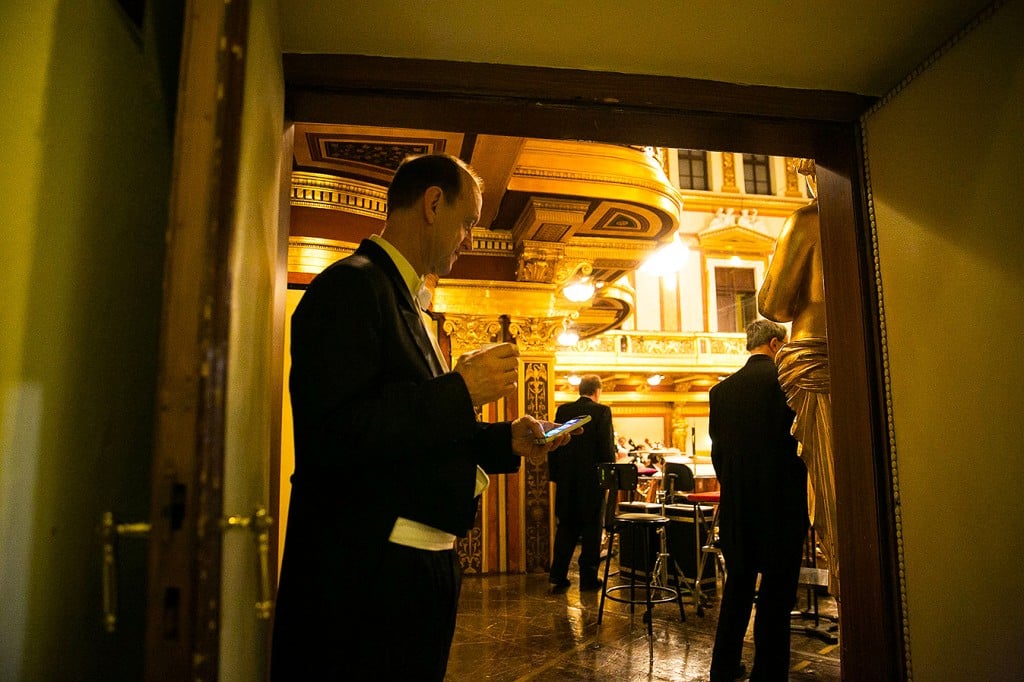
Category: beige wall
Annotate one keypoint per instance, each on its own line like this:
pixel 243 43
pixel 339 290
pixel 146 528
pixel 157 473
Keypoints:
pixel 84 167
pixel 945 172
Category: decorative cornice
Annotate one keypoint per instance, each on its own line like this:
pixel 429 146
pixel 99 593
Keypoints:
pixel 735 239
pixel 317 190
pixel 765 205
pixel 310 255
pixel 490 243
pixel 590 178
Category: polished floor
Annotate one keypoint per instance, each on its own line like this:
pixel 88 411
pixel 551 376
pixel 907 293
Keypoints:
pixel 513 627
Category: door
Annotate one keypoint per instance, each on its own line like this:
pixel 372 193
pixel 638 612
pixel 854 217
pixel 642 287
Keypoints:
pixel 208 593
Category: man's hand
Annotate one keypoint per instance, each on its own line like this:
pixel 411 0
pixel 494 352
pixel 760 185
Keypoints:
pixel 490 373
pixel 525 432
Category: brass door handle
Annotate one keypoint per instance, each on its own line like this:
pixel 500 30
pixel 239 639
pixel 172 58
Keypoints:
pixel 110 532
pixel 260 524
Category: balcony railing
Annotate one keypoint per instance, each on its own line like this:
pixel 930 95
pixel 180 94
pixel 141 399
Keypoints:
pixel 644 351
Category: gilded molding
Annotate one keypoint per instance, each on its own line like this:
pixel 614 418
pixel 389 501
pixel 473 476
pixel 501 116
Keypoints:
pixel 538 261
pixel 765 205
pixel 590 178
pixel 310 255
pixel 729 172
pixel 792 177
pixel 536 387
pixel 535 380
pixel 490 243
pixel 535 335
pixel 595 170
pixel 471 550
pixel 317 190
pixel 470 332
pixel 666 352
pixel 549 220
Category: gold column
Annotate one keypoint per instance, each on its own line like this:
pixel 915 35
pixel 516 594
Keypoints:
pixel 535 338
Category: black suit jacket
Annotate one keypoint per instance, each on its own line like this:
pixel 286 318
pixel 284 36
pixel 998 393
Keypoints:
pixel 763 515
pixel 380 432
pixel 573 467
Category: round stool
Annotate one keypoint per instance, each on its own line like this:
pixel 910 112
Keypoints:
pixel 640 528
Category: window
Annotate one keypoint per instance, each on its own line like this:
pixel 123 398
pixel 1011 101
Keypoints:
pixel 756 178
pixel 736 298
pixel 693 169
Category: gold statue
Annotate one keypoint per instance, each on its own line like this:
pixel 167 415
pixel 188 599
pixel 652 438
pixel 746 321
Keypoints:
pixel 794 291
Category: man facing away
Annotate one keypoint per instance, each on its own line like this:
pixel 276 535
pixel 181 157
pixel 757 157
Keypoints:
pixel 763 509
pixel 373 584
pixel 578 491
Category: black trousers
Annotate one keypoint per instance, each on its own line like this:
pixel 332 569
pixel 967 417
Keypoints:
pixel 575 524
pixel 411 602
pixel 775 599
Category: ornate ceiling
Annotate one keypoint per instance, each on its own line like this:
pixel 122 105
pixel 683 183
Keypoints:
pixel 552 210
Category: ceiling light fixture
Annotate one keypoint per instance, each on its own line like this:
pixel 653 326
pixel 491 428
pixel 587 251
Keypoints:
pixel 579 290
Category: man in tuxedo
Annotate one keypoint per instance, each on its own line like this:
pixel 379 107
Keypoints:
pixel 763 515
pixel 578 492
pixel 371 582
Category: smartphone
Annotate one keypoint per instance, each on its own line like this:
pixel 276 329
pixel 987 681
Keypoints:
pixel 570 425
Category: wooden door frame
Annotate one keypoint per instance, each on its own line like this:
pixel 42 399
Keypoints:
pixel 184 565
pixel 685 113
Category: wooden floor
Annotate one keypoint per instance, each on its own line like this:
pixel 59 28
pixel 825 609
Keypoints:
pixel 512 627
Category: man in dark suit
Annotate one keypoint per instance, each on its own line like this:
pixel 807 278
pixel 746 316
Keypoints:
pixel 370 583
pixel 578 492
pixel 763 516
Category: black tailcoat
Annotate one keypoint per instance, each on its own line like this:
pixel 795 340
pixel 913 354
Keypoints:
pixel 380 432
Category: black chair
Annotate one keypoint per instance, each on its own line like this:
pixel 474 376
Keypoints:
pixel 637 530
pixel 678 480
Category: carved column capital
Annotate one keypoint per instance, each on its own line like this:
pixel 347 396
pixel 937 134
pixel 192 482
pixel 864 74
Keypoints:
pixel 469 332
pixel 535 335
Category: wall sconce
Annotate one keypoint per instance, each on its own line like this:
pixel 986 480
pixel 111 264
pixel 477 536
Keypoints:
pixel 579 290
pixel 654 379
pixel 569 335
pixel 575 379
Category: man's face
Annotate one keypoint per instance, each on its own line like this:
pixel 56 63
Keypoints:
pixel 452 229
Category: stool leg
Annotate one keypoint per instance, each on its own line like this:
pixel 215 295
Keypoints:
pixel 648 616
pixel 632 574
pixel 607 564
pixel 702 556
pixel 661 571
